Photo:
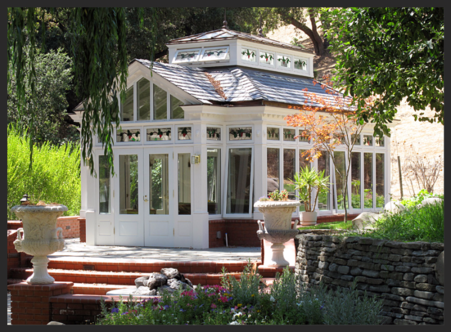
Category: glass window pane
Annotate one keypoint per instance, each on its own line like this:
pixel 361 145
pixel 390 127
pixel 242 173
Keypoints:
pixel 236 134
pixel 340 170
pixel 159 104
pixel 184 183
pixel 380 180
pixel 248 55
pixel 158 134
pixel 127 106
pixel 303 162
pixel 143 99
pixel 239 180
pixel 214 180
pixel 176 110
pixel 283 61
pixel 104 185
pixel 218 53
pixel 288 135
pixel 355 180
pixel 213 134
pixel 128 184
pixel 367 140
pixel 357 140
pixel 378 141
pixel 300 64
pixel 267 58
pixel 324 165
pixel 273 134
pixel 158 184
pixel 184 133
pixel 368 180
pixel 289 166
pixel 302 138
pixel 272 161
pixel 129 135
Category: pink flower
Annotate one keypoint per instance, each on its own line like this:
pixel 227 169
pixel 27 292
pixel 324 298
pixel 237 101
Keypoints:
pixel 213 305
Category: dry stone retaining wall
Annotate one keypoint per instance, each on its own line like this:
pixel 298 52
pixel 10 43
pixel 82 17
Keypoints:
pixel 403 274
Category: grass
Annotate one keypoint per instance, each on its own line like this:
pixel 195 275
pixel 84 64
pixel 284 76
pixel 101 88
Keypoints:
pixel 335 225
pixel 413 224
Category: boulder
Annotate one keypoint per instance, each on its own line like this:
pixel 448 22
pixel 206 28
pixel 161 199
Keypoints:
pixel 164 289
pixel 156 280
pixel 394 207
pixel 55 323
pixel 430 200
pixel 365 220
pixel 177 284
pixel 141 281
pixel 170 273
pixel 144 290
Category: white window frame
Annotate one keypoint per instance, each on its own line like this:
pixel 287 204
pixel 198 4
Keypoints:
pixel 279 140
pixel 130 143
pixel 196 59
pixel 256 62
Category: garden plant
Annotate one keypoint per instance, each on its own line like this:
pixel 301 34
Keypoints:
pixel 244 302
pixel 54 177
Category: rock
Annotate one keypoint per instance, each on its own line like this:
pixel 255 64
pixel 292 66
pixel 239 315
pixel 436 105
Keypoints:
pixel 176 284
pixel 170 273
pixel 188 282
pixel 421 278
pixel 55 323
pixel 440 268
pixel 144 290
pixel 430 200
pixel 156 280
pixel 141 281
pixel 164 289
pixel 365 220
pixel 394 207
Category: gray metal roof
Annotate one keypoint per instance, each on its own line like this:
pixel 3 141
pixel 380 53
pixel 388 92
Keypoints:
pixel 239 84
pixel 225 34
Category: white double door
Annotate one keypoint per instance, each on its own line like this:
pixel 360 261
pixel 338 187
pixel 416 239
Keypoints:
pixel 153 197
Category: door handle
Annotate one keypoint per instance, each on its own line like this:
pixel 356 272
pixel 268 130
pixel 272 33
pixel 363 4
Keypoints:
pixel 145 198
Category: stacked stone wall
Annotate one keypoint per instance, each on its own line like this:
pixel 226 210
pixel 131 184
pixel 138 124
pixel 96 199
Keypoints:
pixel 405 275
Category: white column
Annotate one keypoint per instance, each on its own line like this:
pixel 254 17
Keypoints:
pixel 260 173
pixel 199 184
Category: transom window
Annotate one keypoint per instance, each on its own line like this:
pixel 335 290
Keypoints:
pixel 153 103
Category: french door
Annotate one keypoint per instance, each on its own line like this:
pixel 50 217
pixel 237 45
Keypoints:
pixel 155 201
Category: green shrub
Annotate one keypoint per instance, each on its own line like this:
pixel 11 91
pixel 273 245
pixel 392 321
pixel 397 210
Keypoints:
pixel 55 175
pixel 422 194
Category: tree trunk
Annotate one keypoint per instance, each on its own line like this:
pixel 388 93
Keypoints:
pixel 318 43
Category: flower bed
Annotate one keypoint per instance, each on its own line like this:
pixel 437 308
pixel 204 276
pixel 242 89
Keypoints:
pixel 245 302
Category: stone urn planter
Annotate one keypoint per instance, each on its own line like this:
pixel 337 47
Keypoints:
pixel 277 228
pixel 39 237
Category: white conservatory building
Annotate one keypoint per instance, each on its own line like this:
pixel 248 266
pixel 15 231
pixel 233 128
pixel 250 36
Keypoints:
pixel 203 138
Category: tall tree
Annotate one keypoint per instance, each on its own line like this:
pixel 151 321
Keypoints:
pixel 391 54
pixel 53 79
pixel 97 39
pixel 275 17
pixel 335 125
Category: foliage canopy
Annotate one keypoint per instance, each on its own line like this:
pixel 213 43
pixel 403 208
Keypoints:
pixel 390 53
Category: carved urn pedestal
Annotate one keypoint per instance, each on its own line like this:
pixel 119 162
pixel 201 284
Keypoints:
pixel 39 237
pixel 277 228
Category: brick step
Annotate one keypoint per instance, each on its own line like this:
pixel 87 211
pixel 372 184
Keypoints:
pixel 127 266
pixel 115 278
pixel 267 281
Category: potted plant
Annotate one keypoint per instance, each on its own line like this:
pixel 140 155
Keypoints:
pixel 306 181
